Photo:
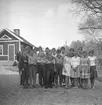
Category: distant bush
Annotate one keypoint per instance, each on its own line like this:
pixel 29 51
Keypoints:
pixel 15 63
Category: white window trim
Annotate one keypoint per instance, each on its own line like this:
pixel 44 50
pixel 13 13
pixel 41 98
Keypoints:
pixel 9 41
pixel 2 38
pixel 8 50
pixel 2 49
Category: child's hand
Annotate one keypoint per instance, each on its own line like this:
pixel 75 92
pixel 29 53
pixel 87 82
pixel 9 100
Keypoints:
pixel 23 69
pixel 65 71
pixel 75 69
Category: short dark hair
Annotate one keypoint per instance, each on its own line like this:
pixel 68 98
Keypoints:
pixel 85 53
pixel 62 48
pixel 40 47
pixel 54 49
pixel 72 49
pixel 47 48
pixel 58 51
pixel 91 51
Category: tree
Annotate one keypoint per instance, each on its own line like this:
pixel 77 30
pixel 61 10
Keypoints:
pixel 92 6
pixel 77 45
pixel 91 28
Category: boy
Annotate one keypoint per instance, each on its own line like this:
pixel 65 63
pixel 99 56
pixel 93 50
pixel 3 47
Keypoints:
pixel 49 69
pixel 59 67
pixel 41 67
pixel 32 60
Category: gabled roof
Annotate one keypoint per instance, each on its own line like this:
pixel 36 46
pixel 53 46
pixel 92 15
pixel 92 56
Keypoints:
pixel 18 37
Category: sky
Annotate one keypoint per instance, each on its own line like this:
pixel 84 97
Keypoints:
pixel 46 23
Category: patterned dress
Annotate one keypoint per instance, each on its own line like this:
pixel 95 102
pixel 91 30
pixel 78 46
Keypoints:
pixel 84 68
pixel 66 66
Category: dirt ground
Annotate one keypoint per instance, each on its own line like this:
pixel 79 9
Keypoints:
pixel 11 93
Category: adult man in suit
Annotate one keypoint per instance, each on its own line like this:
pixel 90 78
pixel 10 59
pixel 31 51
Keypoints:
pixel 20 64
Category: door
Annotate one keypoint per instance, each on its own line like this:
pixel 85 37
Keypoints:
pixel 11 53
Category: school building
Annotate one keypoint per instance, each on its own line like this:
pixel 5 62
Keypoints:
pixel 10 44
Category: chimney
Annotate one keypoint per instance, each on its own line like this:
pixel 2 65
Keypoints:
pixel 17 32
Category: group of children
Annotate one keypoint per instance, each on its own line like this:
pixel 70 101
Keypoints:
pixel 57 68
pixel 79 69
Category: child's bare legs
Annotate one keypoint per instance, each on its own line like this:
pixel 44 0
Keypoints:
pixel 86 83
pixel 67 81
pixel 92 80
pixel 76 82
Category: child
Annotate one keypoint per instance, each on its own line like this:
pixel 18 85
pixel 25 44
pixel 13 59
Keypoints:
pixel 59 67
pixel 54 55
pixel 84 71
pixel 67 68
pixel 41 67
pixel 32 60
pixel 71 50
pixel 63 55
pixel 75 73
pixel 93 72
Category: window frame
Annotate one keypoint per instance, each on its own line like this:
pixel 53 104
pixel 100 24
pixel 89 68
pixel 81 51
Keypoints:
pixel 2 50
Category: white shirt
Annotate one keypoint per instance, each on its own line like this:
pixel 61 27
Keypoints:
pixel 75 61
pixel 92 60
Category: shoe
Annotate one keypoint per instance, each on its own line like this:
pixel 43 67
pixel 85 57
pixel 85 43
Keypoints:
pixel 93 87
pixel 46 87
pixel 76 87
pixel 20 84
pixel 34 86
pixel 25 87
pixel 50 86
pixel 56 86
pixel 31 86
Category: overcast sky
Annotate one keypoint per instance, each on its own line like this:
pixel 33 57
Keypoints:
pixel 42 22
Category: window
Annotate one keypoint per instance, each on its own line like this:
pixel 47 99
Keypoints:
pixel 1 49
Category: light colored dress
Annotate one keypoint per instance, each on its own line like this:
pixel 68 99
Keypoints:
pixel 66 66
pixel 75 63
pixel 84 71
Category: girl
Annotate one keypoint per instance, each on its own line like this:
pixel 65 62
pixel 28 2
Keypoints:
pixel 93 72
pixel 67 69
pixel 63 55
pixel 84 71
pixel 75 73
pixel 71 50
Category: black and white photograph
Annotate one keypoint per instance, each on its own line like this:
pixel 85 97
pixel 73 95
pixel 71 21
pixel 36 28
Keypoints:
pixel 50 52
